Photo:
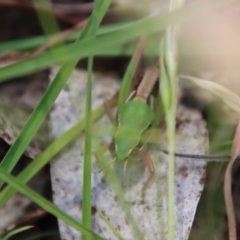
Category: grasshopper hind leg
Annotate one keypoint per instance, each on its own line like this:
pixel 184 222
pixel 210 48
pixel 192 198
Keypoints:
pixel 151 169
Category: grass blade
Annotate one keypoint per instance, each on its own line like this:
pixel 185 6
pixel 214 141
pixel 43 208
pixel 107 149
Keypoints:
pixel 129 73
pixel 116 233
pixel 87 166
pixel 170 78
pixel 16 231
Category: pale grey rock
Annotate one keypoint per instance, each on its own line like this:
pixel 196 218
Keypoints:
pixel 149 208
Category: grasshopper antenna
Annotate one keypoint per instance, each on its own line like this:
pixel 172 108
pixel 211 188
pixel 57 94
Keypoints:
pixel 209 158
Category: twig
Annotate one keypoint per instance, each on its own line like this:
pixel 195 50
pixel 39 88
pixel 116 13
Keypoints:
pixel 73 7
pixel 54 40
pixel 59 37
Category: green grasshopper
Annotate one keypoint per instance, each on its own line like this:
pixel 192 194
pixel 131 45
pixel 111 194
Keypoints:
pixel 134 117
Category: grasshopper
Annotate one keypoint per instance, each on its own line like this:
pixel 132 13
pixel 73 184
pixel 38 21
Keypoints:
pixel 134 117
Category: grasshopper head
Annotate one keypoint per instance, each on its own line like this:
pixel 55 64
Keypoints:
pixel 125 142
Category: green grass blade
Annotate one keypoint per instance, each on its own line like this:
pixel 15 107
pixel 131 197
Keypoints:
pixel 165 92
pixel 87 166
pixel 45 204
pixel 48 154
pixel 171 123
pixel 16 231
pixel 116 233
pixel 31 43
pixel 121 49
pixel 48 21
pixel 47 101
pixel 170 80
pixel 129 73
pixel 49 25
pixel 124 33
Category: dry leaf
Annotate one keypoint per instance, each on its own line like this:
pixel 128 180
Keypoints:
pixel 231 99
